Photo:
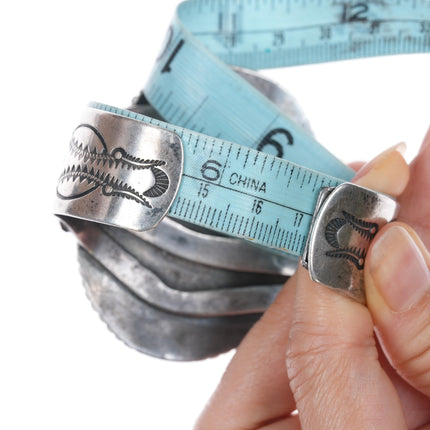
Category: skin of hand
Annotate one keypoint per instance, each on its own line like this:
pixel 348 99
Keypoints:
pixel 319 360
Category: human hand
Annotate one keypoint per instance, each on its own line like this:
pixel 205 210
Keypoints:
pixel 320 353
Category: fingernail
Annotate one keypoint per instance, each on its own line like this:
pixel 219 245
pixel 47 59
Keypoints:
pixel 381 158
pixel 399 270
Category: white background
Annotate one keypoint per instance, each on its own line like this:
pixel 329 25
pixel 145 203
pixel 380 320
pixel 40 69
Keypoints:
pixel 60 368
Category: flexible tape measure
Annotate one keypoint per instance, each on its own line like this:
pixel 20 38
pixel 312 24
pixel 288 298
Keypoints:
pixel 191 85
pixel 240 191
pixel 249 171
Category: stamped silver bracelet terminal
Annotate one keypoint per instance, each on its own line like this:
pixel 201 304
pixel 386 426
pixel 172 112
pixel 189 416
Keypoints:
pixel 345 221
pixel 120 172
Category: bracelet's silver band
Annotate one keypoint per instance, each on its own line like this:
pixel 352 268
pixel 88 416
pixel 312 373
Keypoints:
pixel 190 294
pixel 178 257
pixel 145 165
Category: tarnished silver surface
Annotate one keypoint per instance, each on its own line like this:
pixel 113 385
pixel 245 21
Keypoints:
pixel 346 220
pixel 126 267
pixel 217 251
pixel 144 323
pixel 120 172
pixel 152 330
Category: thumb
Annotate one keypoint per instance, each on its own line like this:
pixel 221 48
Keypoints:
pixel 332 359
pixel 398 292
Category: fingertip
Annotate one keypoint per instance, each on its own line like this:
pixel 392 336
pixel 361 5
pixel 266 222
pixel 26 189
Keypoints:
pixel 387 173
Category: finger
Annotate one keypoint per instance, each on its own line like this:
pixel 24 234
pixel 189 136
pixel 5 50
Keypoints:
pixel 387 173
pixel 415 201
pixel 289 423
pixel 254 390
pixel 416 406
pixel 415 210
pixel 398 293
pixel 332 358
pixel 332 364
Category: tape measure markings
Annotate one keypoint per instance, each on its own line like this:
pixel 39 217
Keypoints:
pixel 232 116
pixel 251 195
pixel 283 197
pixel 189 69
pixel 325 21
pixel 232 187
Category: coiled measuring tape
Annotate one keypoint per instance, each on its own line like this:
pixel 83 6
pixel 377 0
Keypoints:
pixel 228 159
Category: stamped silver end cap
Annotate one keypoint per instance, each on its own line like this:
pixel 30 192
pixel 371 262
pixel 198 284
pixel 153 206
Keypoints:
pixel 120 171
pixel 346 220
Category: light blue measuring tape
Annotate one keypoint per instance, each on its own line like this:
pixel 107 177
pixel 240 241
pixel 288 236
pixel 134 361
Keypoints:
pixel 248 171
